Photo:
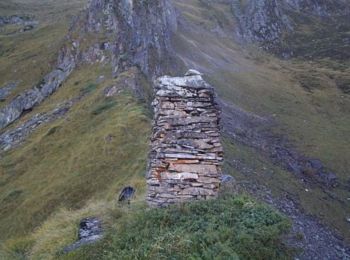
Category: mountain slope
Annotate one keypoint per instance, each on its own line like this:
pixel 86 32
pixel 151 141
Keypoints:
pixel 285 122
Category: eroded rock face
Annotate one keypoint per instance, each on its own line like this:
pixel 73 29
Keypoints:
pixel 266 21
pixel 32 97
pixel 7 89
pixel 186 153
pixel 134 33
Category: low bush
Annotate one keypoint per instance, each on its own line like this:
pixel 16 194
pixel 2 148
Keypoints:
pixel 228 228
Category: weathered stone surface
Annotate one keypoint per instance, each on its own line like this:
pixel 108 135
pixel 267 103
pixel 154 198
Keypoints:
pixel 90 231
pixel 138 34
pixel 25 22
pixel 186 153
pixel 127 194
pixel 7 89
pixel 268 22
pixel 32 97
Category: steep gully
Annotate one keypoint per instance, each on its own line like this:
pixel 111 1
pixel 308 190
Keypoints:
pixel 140 34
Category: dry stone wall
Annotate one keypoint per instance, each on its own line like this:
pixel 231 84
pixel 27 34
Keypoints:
pixel 186 152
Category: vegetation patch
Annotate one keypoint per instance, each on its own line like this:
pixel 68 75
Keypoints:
pixel 227 228
pixel 105 105
pixel 87 89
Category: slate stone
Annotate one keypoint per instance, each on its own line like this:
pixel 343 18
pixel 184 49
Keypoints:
pixel 126 194
pixel 186 152
pixel 90 231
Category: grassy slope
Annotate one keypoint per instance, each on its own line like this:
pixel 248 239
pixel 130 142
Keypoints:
pixel 68 169
pixel 75 167
pixel 99 147
pixel 229 228
pixel 36 49
pixel 316 119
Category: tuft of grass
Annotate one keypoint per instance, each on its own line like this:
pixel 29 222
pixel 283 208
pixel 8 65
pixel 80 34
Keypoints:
pixel 87 89
pixel 103 106
pixel 227 228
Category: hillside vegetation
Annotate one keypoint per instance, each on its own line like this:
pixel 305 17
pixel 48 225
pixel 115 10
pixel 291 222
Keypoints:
pixel 75 167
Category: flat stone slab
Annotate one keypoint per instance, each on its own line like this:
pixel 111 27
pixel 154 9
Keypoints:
pixel 90 231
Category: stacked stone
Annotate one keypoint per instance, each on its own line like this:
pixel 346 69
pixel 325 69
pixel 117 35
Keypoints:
pixel 186 152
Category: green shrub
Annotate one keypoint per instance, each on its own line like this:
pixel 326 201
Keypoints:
pixel 228 228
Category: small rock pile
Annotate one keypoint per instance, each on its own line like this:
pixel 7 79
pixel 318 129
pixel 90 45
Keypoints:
pixel 186 152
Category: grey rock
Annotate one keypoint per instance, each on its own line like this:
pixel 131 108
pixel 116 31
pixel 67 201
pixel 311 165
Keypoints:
pixel 27 22
pixel 193 72
pixel 140 36
pixel 7 89
pixel 32 97
pixel 13 137
pixel 90 231
pixel 266 21
pixel 227 178
pixel 127 194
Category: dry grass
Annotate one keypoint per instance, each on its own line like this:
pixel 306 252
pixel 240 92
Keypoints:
pixel 86 155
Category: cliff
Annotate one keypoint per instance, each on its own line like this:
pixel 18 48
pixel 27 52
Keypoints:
pixel 121 34
pixel 269 23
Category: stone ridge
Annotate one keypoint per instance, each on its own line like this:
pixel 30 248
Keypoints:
pixel 186 152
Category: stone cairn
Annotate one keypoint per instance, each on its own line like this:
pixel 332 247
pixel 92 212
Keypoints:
pixel 186 153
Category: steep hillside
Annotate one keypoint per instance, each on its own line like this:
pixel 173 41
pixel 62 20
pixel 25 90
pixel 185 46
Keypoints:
pixel 306 28
pixel 284 113
pixel 76 87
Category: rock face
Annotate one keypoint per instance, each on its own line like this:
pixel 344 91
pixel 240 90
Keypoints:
pixel 186 153
pixel 7 89
pixel 135 33
pixel 13 137
pixel 123 33
pixel 32 97
pixel 266 22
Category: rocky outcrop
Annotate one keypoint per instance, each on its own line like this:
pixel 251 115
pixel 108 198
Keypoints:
pixel 26 22
pixel 13 137
pixel 123 33
pixel 186 153
pixel 266 22
pixel 134 33
pixel 32 97
pixel 7 89
pixel 90 231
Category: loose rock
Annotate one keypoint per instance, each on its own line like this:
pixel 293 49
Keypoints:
pixel 127 194
pixel 90 231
